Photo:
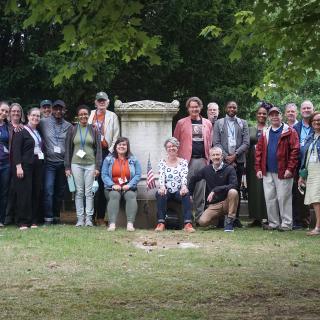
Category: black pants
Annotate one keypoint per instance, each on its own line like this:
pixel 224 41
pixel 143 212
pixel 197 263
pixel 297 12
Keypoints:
pixel 240 171
pixel 28 193
pixel 100 201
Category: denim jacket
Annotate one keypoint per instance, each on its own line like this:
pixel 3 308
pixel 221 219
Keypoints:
pixel 134 167
pixel 305 148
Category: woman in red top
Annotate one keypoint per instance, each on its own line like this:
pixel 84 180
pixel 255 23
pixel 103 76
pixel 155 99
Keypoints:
pixel 121 172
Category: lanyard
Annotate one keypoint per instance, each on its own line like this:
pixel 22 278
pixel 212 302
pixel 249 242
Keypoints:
pixel 99 124
pixel 306 130
pixel 35 135
pixel 56 133
pixel 83 141
pixel 232 131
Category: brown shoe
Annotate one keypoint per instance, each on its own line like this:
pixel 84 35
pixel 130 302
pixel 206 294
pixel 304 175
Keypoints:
pixel 100 222
pixel 189 228
pixel 160 227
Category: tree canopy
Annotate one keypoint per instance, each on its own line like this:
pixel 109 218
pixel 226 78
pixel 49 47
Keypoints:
pixel 287 32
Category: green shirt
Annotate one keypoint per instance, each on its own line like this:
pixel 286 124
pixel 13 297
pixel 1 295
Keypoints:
pixel 89 157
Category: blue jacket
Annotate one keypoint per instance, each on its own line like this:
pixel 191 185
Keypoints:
pixel 305 148
pixel 298 128
pixel 134 167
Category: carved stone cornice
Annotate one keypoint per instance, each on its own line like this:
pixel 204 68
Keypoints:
pixel 146 107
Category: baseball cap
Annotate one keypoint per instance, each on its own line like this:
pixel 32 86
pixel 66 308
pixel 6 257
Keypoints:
pixel 59 103
pixel 101 95
pixel 275 109
pixel 46 103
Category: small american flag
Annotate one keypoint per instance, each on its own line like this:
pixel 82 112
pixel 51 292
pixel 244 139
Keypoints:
pixel 151 182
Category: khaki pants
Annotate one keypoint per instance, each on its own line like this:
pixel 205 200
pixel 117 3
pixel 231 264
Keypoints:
pixel 214 211
pixel 278 195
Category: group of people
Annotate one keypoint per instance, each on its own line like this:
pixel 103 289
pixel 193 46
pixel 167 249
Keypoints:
pixel 210 157
pixel 204 167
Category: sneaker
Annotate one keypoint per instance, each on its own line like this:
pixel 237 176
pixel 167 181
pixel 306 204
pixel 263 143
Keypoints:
pixel 130 227
pixel 112 227
pixel 34 226
pixel 89 223
pixel 189 228
pixel 23 227
pixel 1 225
pixel 254 223
pixel 283 229
pixel 80 223
pixel 229 225
pixel 160 227
pixel 269 228
pixel 237 223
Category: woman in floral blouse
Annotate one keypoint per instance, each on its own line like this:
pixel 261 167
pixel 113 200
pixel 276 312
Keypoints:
pixel 173 173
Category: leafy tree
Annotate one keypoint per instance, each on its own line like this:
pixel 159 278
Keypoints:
pixel 287 31
pixel 190 64
pixel 93 31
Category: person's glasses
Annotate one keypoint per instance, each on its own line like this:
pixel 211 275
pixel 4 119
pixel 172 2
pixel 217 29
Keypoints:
pixel 316 120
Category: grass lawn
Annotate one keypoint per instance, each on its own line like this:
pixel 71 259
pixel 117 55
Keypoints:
pixel 63 272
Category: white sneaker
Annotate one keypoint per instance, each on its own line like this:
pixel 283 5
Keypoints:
pixel 23 228
pixel 112 227
pixel 80 223
pixel 89 223
pixel 130 227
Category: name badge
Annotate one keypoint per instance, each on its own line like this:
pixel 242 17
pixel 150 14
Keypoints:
pixel 37 150
pixel 81 154
pixel 56 149
pixel 5 150
pixel 302 143
pixel 41 156
pixel 232 141
pixel 122 181
pixel 102 138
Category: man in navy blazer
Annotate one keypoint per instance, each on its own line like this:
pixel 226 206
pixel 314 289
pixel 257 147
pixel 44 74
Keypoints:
pixel 301 213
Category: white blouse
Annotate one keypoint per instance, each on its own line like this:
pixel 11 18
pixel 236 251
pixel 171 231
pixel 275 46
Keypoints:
pixel 173 177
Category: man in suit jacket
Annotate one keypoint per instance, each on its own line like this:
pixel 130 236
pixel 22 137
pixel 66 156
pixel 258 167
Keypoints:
pixel 231 134
pixel 107 124
pixel 194 135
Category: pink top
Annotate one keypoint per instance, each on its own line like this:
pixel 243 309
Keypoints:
pixel 183 132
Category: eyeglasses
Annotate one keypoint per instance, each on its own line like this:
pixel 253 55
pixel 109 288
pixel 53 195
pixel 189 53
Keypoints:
pixel 316 120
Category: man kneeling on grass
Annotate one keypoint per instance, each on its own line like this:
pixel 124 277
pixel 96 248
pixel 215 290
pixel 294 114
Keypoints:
pixel 221 191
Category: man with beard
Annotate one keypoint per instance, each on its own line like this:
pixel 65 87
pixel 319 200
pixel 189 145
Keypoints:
pixel 231 134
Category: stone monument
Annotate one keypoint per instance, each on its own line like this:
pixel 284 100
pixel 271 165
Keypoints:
pixel 147 124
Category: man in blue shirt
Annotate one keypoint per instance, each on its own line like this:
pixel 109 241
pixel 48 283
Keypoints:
pixel 301 212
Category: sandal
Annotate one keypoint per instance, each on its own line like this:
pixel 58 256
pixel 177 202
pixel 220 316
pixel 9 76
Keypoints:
pixel 314 232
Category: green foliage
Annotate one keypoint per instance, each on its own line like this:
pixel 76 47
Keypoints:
pixel 92 32
pixel 288 34
pixel 308 90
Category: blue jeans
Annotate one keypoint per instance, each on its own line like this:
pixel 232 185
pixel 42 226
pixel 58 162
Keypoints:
pixel 54 188
pixel 162 205
pixel 4 187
